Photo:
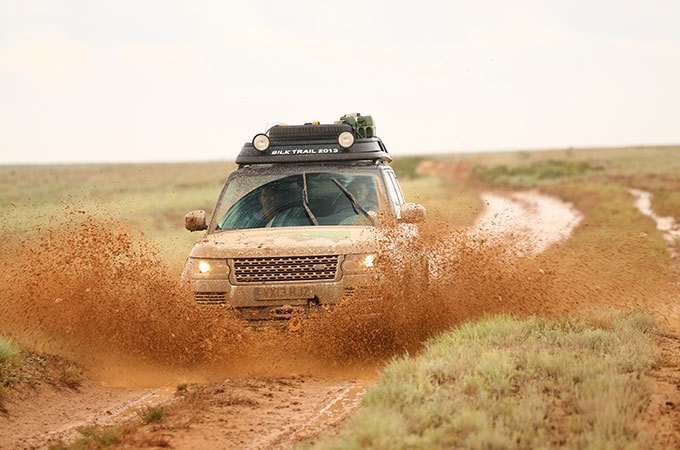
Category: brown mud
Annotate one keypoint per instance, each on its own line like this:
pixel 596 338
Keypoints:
pixel 95 291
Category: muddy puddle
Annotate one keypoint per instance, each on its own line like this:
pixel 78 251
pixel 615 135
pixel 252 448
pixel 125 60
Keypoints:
pixel 91 289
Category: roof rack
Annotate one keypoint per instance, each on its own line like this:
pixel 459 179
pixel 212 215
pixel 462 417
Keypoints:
pixel 315 142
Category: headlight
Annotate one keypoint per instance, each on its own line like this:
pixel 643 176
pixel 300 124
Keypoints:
pixel 208 268
pixel 360 263
pixel 261 142
pixel 204 266
pixel 346 139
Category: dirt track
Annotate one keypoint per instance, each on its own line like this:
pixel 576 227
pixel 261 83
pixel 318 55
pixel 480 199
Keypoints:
pixel 275 393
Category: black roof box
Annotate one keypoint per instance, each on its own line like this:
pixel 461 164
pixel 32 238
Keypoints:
pixel 312 143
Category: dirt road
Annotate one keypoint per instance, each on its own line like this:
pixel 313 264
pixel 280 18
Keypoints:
pixel 274 396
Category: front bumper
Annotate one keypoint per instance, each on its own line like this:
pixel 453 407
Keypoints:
pixel 264 301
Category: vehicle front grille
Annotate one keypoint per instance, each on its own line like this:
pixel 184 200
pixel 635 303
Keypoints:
pixel 210 298
pixel 285 268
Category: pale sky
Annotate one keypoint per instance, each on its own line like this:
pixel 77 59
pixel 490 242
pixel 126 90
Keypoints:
pixel 136 80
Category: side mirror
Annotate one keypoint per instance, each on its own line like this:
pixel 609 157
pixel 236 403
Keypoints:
pixel 195 221
pixel 412 213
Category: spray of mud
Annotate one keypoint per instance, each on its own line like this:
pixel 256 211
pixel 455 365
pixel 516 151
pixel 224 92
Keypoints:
pixel 91 289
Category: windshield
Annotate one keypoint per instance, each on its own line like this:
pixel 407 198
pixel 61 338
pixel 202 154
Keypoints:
pixel 301 199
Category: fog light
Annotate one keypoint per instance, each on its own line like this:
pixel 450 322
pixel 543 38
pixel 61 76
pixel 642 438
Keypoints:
pixel 346 139
pixel 261 142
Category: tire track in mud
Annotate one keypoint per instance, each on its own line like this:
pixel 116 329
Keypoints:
pixel 341 401
pixel 256 413
pixel 113 414
pixel 46 414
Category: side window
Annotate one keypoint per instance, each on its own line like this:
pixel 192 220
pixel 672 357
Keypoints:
pixel 394 191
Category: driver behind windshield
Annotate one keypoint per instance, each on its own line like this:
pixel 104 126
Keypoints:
pixel 267 198
pixel 363 190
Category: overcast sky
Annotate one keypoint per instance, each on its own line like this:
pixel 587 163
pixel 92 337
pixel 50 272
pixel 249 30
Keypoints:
pixel 136 80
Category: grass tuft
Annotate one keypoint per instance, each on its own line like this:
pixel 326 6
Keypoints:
pixel 93 437
pixel 71 376
pixel 182 389
pixel 151 414
pixel 7 349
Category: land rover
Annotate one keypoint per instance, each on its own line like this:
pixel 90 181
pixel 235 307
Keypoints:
pixel 299 223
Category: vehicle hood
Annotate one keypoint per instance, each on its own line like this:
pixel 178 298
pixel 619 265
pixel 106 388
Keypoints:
pixel 288 241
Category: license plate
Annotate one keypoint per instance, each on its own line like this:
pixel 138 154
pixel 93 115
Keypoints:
pixel 283 293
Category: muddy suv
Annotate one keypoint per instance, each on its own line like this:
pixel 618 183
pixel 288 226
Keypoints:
pixel 299 223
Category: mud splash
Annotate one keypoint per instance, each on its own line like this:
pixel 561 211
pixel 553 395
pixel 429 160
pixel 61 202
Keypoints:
pixel 91 289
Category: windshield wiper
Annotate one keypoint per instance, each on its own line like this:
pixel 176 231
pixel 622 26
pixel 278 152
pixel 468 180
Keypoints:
pixel 355 203
pixel 305 200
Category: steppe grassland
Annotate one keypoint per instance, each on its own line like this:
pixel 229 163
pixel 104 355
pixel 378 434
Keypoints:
pixel 616 248
pixel 652 168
